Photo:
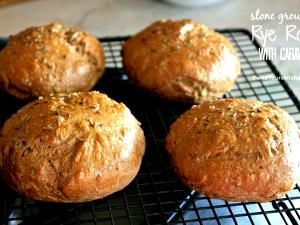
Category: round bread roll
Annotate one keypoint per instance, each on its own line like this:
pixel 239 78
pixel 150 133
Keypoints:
pixel 181 60
pixel 71 148
pixel 40 61
pixel 236 150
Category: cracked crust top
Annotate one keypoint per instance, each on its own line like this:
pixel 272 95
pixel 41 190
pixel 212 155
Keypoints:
pixel 40 61
pixel 236 150
pixel 181 60
pixel 71 148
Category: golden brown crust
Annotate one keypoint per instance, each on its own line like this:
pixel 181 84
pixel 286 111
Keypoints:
pixel 40 61
pixel 181 60
pixel 71 148
pixel 236 150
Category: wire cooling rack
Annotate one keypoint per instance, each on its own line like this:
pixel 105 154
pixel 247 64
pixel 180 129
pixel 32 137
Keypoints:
pixel 156 196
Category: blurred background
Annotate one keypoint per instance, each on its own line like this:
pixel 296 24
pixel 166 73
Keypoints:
pixel 106 18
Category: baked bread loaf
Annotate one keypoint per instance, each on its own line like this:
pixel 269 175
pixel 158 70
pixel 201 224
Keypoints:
pixel 181 60
pixel 236 150
pixel 40 61
pixel 71 148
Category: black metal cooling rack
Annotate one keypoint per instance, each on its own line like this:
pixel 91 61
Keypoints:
pixel 156 196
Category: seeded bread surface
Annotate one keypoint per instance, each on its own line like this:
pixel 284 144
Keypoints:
pixel 71 148
pixel 49 59
pixel 236 150
pixel 181 60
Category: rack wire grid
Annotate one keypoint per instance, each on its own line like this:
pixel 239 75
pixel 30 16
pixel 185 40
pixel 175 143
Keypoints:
pixel 156 196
